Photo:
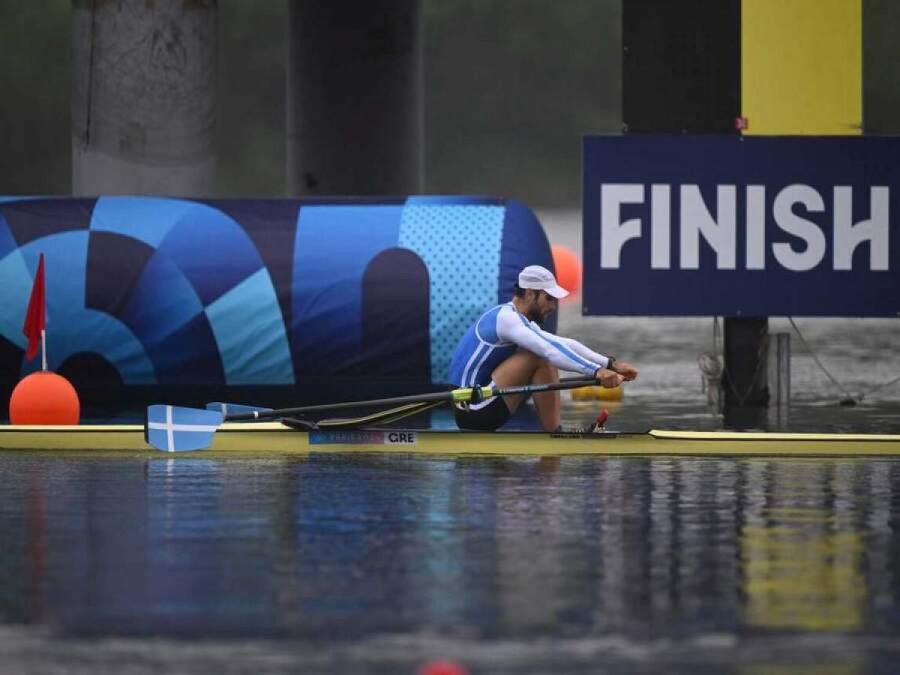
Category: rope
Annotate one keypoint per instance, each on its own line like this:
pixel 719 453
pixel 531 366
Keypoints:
pixel 710 364
pixel 806 345
pixel 711 368
pixel 850 399
pixel 878 387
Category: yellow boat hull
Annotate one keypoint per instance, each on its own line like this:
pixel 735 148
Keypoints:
pixel 273 438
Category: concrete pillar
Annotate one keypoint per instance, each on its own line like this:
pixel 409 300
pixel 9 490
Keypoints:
pixel 143 98
pixel 355 121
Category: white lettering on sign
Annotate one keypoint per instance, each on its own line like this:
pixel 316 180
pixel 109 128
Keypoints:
pixel 848 236
pixel 756 227
pixel 660 227
pixel 791 209
pixel 785 217
pixel 719 232
pixel 613 232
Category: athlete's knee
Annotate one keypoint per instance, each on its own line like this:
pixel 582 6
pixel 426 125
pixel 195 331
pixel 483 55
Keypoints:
pixel 547 368
pixel 538 363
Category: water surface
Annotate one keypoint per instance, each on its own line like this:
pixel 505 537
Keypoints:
pixel 368 563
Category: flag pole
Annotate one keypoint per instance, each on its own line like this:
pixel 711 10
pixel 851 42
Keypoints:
pixel 36 316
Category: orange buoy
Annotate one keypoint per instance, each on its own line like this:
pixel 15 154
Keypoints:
pixel 568 269
pixel 442 668
pixel 44 398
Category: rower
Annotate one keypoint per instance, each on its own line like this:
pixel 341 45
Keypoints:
pixel 506 346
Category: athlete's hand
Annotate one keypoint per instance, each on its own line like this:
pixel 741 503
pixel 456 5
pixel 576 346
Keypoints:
pixel 608 378
pixel 626 370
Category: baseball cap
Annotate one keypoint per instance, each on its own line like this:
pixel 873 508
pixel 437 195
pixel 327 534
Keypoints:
pixel 540 278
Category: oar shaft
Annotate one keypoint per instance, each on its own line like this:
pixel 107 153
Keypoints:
pixel 396 400
pixel 569 383
pixel 462 395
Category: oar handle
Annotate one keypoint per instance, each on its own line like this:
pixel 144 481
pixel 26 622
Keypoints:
pixel 568 383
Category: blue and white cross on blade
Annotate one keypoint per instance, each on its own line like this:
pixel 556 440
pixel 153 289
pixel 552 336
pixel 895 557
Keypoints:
pixel 175 429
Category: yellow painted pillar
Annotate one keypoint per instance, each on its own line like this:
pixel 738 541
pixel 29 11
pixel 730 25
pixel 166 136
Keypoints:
pixel 801 67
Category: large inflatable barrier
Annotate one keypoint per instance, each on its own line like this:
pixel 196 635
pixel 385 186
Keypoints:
pixel 177 298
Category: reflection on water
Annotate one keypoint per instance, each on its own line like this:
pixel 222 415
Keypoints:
pixel 802 551
pixel 334 548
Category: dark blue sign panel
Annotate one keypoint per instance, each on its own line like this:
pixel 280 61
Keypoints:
pixel 741 226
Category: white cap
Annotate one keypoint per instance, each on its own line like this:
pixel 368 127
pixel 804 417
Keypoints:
pixel 540 278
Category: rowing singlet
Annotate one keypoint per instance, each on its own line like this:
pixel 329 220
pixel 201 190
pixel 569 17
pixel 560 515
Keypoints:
pixel 499 333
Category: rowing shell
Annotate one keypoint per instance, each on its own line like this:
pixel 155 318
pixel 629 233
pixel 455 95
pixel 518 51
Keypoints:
pixel 273 438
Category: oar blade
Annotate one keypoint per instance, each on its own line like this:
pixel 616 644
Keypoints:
pixel 174 429
pixel 235 408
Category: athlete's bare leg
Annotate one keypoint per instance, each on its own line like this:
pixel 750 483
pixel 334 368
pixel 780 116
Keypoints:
pixel 525 367
pixel 547 402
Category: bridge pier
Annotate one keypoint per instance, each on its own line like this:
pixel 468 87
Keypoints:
pixel 143 98
pixel 355 115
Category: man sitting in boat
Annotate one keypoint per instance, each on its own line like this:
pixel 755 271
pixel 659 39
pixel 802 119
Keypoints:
pixel 507 347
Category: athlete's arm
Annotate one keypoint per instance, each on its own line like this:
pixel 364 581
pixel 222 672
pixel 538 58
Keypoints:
pixel 580 349
pixel 628 371
pixel 513 327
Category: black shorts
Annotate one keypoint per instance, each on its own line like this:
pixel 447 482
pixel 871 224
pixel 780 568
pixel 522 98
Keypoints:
pixel 489 418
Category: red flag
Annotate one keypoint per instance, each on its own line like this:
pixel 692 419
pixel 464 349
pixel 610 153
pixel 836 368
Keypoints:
pixel 36 316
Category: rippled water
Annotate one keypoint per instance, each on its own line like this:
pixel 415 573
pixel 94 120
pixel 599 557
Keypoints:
pixel 377 564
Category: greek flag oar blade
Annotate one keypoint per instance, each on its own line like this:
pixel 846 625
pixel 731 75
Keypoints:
pixel 176 429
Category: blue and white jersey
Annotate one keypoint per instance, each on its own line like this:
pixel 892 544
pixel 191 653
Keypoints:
pixel 499 333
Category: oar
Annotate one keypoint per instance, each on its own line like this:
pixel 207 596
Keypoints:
pixel 229 410
pixel 178 429
pixel 234 408
pixel 380 417
pixel 461 395
pixel 238 412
